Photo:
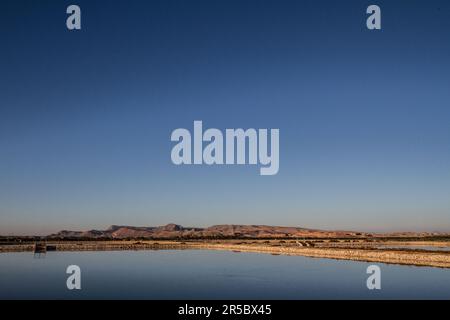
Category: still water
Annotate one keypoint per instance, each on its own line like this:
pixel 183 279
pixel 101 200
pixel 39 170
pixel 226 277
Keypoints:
pixel 192 274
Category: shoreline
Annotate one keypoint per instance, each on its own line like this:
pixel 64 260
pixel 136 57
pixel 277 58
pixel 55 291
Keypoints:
pixel 411 257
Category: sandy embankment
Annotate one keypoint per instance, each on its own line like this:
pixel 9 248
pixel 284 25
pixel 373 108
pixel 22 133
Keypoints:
pixel 394 256
pixel 431 259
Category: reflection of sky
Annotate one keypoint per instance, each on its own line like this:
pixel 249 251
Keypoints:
pixel 201 274
pixel 86 116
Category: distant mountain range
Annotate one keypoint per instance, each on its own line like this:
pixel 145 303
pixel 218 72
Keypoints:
pixel 217 231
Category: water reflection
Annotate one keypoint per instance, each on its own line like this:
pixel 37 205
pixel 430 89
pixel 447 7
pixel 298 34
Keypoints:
pixel 197 274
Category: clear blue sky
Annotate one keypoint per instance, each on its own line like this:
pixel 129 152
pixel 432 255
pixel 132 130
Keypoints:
pixel 86 116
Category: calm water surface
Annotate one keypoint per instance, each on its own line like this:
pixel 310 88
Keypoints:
pixel 192 274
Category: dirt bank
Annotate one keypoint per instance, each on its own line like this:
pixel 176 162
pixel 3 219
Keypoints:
pixel 394 256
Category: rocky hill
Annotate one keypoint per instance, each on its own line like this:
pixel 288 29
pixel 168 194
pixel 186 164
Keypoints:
pixel 217 231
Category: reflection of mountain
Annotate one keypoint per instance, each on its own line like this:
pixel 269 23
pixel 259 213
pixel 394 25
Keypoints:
pixel 218 231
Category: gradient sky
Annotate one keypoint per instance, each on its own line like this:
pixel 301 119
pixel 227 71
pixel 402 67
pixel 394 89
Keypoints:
pixel 86 116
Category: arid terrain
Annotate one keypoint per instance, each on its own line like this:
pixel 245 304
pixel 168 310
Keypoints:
pixel 419 249
pixel 172 231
